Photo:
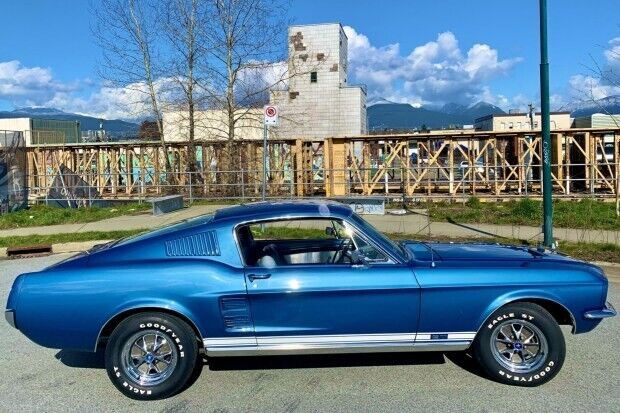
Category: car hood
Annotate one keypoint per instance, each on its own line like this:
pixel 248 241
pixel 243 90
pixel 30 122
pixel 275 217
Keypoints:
pixel 448 251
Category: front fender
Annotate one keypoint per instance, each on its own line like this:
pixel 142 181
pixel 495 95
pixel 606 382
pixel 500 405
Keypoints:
pixel 574 301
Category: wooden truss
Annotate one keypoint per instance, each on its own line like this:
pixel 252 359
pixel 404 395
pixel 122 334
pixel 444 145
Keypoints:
pixel 487 164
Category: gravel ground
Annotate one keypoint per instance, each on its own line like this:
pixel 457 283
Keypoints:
pixel 33 378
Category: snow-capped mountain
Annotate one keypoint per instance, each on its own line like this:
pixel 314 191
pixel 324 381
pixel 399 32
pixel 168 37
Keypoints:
pixel 608 105
pixel 86 122
pixel 385 115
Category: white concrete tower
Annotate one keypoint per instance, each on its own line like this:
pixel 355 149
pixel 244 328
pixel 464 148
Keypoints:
pixel 318 102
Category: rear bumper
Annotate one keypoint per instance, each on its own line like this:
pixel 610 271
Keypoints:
pixel 10 317
pixel 606 312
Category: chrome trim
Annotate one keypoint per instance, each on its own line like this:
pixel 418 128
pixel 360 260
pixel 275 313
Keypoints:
pixel 337 343
pixel 291 349
pixel 9 315
pixel 457 345
pixel 606 312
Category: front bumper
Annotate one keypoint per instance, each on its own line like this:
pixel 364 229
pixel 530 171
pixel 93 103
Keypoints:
pixel 606 312
pixel 10 317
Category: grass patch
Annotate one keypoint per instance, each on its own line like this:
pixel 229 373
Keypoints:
pixel 40 215
pixel 591 251
pixel 583 214
pixel 287 233
pixel 29 240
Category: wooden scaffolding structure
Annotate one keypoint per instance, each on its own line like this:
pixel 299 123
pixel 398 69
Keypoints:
pixel 450 165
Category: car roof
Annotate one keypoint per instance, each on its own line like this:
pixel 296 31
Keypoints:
pixel 277 209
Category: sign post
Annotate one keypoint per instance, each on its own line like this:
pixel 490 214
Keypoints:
pixel 271 118
pixel 546 129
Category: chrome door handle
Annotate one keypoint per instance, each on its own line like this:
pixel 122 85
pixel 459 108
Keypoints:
pixel 253 277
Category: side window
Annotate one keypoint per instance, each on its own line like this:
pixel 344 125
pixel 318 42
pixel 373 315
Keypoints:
pixel 368 252
pixel 290 242
pixel 304 242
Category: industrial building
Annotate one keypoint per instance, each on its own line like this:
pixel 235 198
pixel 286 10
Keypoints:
pixel 43 131
pixel 597 120
pixel 212 125
pixel 521 121
pixel 316 103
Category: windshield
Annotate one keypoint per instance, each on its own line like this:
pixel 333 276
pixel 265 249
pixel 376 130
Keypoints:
pixel 387 243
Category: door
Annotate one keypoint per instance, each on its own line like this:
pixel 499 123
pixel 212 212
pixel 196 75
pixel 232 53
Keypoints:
pixel 334 304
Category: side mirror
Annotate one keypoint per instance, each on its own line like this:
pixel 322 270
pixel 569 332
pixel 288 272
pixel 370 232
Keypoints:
pixel 329 231
pixel 357 258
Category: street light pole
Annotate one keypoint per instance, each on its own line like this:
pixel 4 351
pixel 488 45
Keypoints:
pixel 546 129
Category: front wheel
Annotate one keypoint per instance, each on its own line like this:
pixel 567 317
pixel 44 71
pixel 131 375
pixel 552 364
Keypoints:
pixel 151 355
pixel 520 344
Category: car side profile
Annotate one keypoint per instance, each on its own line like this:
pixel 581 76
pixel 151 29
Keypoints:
pixel 304 277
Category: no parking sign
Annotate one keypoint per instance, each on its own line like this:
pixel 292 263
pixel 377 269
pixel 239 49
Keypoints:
pixel 271 115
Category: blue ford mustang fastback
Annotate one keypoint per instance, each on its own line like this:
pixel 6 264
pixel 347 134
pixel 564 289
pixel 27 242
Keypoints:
pixel 304 277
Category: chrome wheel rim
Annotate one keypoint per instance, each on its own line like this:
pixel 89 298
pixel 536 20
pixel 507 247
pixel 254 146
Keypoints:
pixel 149 358
pixel 519 346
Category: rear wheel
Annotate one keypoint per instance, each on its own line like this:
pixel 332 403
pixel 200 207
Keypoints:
pixel 521 344
pixel 151 355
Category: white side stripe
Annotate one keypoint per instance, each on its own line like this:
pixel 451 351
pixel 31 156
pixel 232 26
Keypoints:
pixel 337 339
pixel 230 341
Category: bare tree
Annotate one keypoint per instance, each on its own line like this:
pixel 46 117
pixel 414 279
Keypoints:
pixel 242 36
pixel 123 29
pixel 183 26
pixel 607 78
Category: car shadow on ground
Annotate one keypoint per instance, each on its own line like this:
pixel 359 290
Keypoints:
pixel 462 359
pixel 81 359
pixel 322 361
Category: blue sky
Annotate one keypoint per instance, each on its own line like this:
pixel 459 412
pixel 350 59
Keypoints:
pixel 48 55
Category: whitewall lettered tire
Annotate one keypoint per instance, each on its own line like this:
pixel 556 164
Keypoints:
pixel 151 355
pixel 520 344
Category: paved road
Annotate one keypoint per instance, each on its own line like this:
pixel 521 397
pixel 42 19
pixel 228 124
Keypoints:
pixel 38 379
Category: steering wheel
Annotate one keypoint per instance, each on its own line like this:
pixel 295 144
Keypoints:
pixel 343 251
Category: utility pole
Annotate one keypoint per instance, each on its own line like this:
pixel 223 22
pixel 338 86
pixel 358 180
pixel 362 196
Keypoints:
pixel 546 129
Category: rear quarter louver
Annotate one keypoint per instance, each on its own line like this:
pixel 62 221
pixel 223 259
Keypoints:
pixel 195 245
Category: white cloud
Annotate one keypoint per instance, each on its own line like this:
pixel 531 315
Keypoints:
pixel 603 80
pixel 27 85
pixel 612 54
pixel 587 87
pixel 35 86
pixel 436 72
pixel 111 102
